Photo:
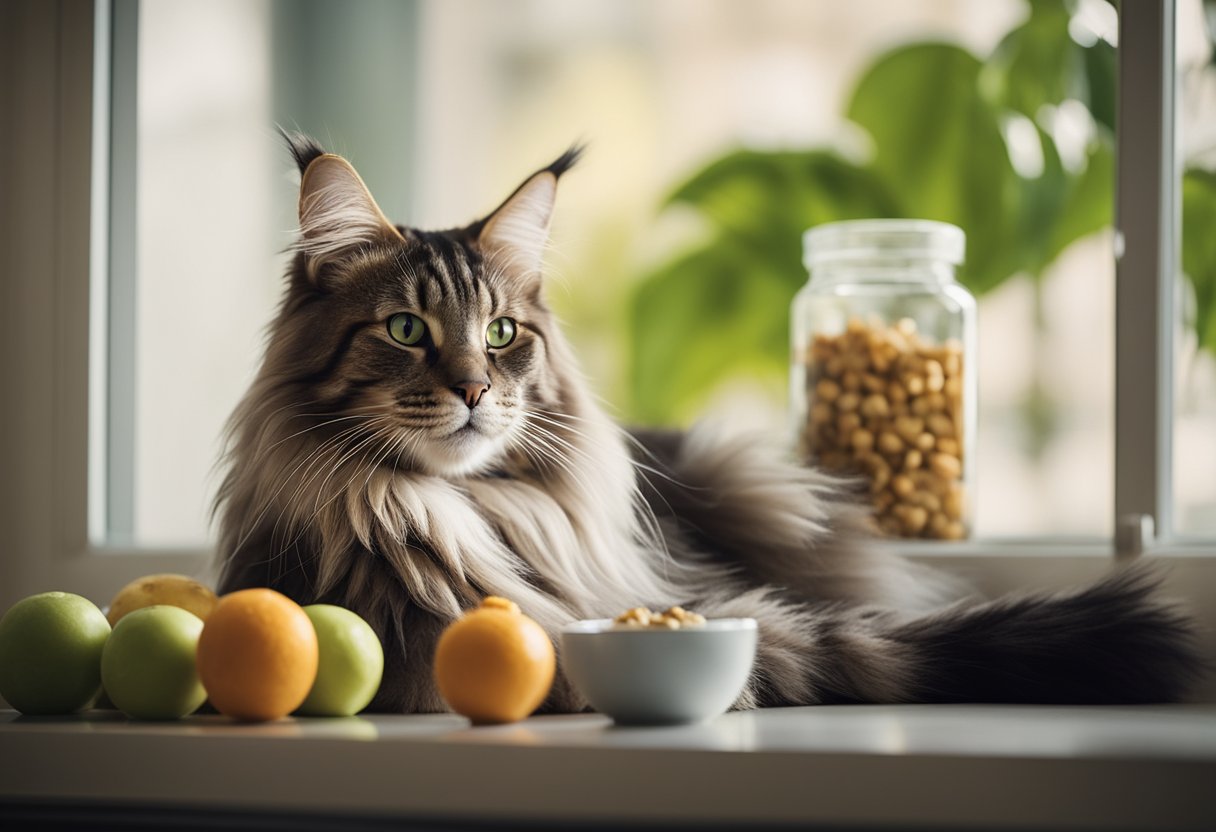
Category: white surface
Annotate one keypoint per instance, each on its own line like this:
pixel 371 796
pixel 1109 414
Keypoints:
pixel 883 766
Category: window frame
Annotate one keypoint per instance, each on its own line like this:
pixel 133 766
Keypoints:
pixel 53 150
pixel 1147 213
pixel 64 47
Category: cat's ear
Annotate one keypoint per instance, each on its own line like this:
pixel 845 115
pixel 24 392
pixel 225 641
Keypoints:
pixel 337 212
pixel 518 230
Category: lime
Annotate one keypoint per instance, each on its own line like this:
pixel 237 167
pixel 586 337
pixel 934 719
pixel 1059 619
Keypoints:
pixel 351 663
pixel 148 663
pixel 50 653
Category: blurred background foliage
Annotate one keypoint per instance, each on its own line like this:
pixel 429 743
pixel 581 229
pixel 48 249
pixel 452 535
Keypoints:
pixel 983 142
pixel 673 285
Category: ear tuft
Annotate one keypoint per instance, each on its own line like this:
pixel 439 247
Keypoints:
pixel 567 160
pixel 518 230
pixel 303 148
pixel 337 212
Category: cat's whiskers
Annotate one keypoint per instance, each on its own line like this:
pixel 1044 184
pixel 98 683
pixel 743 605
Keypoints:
pixel 634 442
pixel 388 443
pixel 350 454
pixel 327 451
pixel 392 442
pixel 330 447
pixel 381 440
pixel 563 442
pixel 404 446
pixel 652 533
pixel 544 440
pixel 548 455
pixel 345 459
pixel 229 433
pixel 520 441
pixel 602 573
pixel 653 530
pixel 269 502
pixel 343 412
pixel 262 453
pixel 326 423
pixel 388 433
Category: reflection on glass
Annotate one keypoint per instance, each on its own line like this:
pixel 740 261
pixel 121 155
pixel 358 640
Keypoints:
pixel 1194 428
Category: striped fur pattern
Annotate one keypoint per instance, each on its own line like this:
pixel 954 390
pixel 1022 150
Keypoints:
pixel 362 471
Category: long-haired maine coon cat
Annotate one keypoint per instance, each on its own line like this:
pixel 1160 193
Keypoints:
pixel 419 437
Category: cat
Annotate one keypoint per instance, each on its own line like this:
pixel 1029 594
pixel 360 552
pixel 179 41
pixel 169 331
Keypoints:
pixel 418 437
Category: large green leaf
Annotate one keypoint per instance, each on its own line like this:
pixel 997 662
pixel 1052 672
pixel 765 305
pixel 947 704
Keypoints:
pixel 1199 249
pixel 934 113
pixel 704 318
pixel 1040 205
pixel 1100 83
pixel 1037 63
pixel 765 200
pixel 721 310
pixel 939 148
pixel 1089 203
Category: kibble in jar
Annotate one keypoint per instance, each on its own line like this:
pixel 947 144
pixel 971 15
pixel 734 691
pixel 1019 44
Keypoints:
pixel 902 427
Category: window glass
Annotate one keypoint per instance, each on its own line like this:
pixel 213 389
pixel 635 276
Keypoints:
pixel 1195 337
pixel 215 207
pixel 444 106
pixel 205 251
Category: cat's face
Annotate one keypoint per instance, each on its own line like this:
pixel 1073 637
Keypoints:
pixel 442 351
pixel 427 347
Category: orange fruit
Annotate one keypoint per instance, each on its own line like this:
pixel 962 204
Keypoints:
pixel 494 664
pixel 257 655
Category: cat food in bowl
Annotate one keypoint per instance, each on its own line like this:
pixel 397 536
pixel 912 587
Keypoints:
pixel 673 619
pixel 660 673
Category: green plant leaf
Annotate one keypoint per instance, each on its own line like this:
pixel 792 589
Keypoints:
pixel 1040 206
pixel 722 309
pixel 939 148
pixel 934 114
pixel 1199 249
pixel 1100 83
pixel 1089 203
pixel 1037 63
pixel 767 199
pixel 703 318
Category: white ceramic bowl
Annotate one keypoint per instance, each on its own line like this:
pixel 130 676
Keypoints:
pixel 657 676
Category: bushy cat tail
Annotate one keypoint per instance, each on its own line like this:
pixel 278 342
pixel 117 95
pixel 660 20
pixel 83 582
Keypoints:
pixel 1113 642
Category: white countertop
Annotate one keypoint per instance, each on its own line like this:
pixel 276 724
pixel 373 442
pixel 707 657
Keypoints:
pixel 995 767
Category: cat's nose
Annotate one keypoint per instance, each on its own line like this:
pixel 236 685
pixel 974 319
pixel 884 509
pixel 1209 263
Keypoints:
pixel 470 391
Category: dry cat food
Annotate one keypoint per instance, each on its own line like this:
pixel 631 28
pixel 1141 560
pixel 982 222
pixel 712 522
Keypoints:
pixel 673 619
pixel 887 403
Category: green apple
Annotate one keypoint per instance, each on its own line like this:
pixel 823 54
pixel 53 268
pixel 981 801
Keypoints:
pixel 350 666
pixel 50 653
pixel 148 663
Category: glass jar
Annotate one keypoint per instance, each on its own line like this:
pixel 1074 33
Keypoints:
pixel 883 370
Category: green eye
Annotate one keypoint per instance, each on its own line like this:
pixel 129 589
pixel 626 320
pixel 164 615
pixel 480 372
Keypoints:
pixel 406 329
pixel 501 332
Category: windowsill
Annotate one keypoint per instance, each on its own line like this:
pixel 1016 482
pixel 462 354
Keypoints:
pixel 875 766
